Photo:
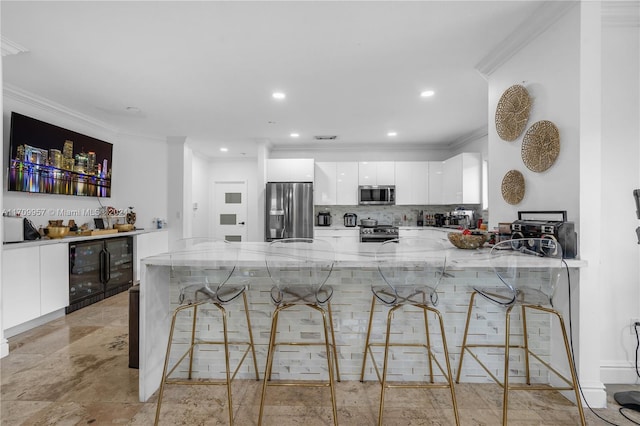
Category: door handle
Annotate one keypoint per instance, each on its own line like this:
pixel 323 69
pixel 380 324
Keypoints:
pixel 240 223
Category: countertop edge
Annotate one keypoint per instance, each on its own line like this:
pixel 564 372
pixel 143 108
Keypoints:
pixel 71 239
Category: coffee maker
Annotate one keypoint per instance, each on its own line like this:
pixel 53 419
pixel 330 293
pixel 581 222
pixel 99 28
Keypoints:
pixel 465 218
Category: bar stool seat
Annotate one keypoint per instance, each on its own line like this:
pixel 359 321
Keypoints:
pixel 527 271
pixel 300 268
pixel 203 269
pixel 411 269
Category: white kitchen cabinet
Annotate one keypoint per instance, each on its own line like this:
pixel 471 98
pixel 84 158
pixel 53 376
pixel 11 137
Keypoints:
pixel 20 286
pixel 338 236
pixel 412 182
pixel 54 277
pixel 347 183
pixel 377 173
pixel 463 179
pixel 290 170
pixel 436 182
pixel 325 184
pixel 148 244
pixel 336 183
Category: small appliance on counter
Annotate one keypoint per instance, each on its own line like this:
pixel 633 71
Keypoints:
pixel 13 229
pixel 464 218
pixel 350 219
pixel 324 218
pixel 540 224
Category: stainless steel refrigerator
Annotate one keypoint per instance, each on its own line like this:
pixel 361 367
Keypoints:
pixel 289 210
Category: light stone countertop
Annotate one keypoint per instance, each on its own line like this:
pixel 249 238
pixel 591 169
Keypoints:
pixel 350 254
pixel 74 238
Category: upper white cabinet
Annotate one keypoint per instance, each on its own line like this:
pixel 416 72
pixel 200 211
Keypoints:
pixel 462 179
pixel 290 170
pixel 336 183
pixel 324 186
pixel 436 182
pixel 412 182
pixel 347 183
pixel 377 173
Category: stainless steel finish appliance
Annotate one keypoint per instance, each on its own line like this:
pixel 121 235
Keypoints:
pixel 324 219
pixel 99 269
pixel 464 218
pixel 378 234
pixel 13 229
pixel 537 227
pixel 350 219
pixel 377 195
pixel 289 210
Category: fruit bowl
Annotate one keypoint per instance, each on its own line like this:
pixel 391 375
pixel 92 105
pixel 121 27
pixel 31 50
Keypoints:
pixel 57 231
pixel 468 241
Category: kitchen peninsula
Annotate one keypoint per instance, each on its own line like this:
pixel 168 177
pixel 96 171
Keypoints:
pixel 354 272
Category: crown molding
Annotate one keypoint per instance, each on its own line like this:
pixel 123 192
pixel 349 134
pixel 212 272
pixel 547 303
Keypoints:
pixel 539 21
pixel 8 47
pixel 338 147
pixel 621 14
pixel 474 135
pixel 31 99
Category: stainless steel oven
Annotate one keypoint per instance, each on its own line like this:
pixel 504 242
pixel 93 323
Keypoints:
pixel 376 195
pixel 378 234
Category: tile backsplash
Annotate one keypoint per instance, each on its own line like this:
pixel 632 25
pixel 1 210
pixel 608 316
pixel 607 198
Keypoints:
pixel 388 215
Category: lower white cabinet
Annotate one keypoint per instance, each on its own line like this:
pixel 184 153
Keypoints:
pixel 54 277
pixel 338 235
pixel 20 286
pixel 35 282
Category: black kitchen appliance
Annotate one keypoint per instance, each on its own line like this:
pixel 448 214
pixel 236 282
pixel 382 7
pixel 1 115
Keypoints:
pixel 350 219
pixel 378 234
pixel 99 269
pixel 324 219
pixel 538 227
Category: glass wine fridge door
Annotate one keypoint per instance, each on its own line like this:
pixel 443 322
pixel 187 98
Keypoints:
pixel 85 276
pixel 118 268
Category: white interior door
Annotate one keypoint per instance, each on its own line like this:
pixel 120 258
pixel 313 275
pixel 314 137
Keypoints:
pixel 230 211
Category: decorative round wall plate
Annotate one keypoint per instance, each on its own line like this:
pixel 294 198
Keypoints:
pixel 541 146
pixel 513 187
pixel 512 112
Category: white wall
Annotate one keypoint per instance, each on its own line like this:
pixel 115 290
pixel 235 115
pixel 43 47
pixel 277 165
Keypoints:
pixel 620 165
pixel 549 68
pixel 200 217
pixel 136 182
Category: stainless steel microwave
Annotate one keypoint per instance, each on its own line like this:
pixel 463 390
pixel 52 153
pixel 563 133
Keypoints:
pixel 376 195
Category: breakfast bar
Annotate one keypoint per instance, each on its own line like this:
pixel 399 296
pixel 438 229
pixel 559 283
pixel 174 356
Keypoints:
pixel 353 273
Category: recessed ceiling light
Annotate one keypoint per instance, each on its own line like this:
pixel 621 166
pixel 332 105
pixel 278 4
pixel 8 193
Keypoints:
pixel 392 134
pixel 278 95
pixel 224 149
pixel 427 93
pixel 294 135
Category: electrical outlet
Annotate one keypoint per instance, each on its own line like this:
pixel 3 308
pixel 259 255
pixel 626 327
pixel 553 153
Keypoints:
pixel 632 325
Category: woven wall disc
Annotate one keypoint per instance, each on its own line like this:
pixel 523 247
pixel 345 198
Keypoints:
pixel 513 187
pixel 512 112
pixel 541 146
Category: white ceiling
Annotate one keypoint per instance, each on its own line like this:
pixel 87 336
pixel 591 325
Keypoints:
pixel 206 70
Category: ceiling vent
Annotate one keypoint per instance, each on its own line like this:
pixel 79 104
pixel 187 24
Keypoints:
pixel 325 137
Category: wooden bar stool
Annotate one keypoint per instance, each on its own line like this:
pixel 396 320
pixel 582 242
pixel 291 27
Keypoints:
pixel 411 269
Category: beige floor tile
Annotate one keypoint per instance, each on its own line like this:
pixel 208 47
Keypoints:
pixel 74 371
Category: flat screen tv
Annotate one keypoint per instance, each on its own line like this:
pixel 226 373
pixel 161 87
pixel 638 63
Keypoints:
pixel 48 159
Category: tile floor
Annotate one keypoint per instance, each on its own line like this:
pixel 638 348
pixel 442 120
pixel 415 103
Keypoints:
pixel 74 371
